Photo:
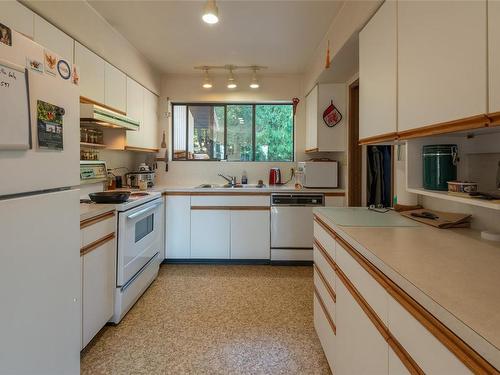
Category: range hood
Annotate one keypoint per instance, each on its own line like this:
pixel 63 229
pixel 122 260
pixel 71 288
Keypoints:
pixel 97 115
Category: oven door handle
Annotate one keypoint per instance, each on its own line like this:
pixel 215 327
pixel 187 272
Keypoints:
pixel 143 211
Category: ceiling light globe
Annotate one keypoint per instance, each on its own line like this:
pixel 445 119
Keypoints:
pixel 207 85
pixel 210 18
pixel 254 85
pixel 232 85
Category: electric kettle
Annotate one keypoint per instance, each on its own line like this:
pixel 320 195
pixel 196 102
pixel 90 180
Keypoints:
pixel 275 176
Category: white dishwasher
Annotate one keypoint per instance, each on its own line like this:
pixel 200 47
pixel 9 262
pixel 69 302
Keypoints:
pixel 292 226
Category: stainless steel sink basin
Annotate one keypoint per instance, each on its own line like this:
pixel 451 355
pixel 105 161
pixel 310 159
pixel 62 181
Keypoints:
pixel 227 186
pixel 207 186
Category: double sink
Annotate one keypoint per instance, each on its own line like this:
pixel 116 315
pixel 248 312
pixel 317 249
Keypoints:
pixel 229 186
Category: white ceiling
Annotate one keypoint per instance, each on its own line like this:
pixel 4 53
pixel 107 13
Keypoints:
pixel 282 35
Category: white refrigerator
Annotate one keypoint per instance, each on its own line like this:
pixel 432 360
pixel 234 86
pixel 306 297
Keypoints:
pixel 40 285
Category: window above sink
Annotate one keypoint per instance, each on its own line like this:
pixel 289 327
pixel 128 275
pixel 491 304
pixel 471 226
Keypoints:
pixel 233 131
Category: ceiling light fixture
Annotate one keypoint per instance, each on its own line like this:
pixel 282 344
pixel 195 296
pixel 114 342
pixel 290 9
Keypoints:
pixel 211 13
pixel 231 82
pixel 254 84
pixel 207 81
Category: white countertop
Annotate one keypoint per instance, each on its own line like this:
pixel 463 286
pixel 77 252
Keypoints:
pixel 453 273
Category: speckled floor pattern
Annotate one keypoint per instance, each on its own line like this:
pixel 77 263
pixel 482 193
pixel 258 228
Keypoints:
pixel 215 319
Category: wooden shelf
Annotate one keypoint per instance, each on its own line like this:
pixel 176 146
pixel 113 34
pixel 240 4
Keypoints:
pixel 141 149
pixel 92 145
pixel 494 205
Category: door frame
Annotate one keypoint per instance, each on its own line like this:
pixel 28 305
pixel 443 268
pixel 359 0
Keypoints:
pixel 354 154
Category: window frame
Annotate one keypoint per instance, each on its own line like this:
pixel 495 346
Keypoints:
pixel 225 104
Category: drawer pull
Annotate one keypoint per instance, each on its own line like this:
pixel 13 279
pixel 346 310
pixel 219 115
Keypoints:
pixel 96 219
pixel 325 311
pixel 330 290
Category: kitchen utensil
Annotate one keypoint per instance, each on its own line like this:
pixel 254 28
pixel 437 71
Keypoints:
pixel 275 176
pixel 110 196
pixel 425 215
pixel 461 187
pixel 118 182
pixel 133 178
pixel 143 167
pixel 143 185
pixel 439 166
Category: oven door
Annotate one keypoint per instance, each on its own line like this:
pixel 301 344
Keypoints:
pixel 139 238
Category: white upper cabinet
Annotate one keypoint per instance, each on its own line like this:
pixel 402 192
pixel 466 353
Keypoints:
pixel 91 73
pixel 320 137
pixel 115 88
pixel 135 110
pixel 17 16
pixel 442 70
pixel 378 73
pixel 54 39
pixel 150 126
pixel 494 55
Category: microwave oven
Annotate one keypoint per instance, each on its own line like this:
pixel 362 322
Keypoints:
pixel 320 174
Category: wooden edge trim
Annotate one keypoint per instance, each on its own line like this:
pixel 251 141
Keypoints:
pixel 494 118
pixel 468 123
pixel 94 245
pixel 96 219
pixel 141 149
pixel 322 224
pixel 86 100
pixel 335 194
pixel 468 356
pixel 232 208
pixel 378 138
pixel 308 150
pixel 325 311
pixel 327 285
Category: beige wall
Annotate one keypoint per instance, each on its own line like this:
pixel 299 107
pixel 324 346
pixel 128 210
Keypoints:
pixel 179 88
pixel 351 18
pixel 80 21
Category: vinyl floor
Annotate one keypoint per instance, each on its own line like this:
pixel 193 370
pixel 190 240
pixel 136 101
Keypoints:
pixel 215 319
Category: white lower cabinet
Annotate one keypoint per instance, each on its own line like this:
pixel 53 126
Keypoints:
pixel 99 271
pixel 325 333
pixel 250 237
pixel 361 349
pixel 210 234
pixel 396 367
pixel 427 351
pixel 178 226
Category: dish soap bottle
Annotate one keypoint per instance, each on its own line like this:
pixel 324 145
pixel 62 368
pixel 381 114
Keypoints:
pixel 244 179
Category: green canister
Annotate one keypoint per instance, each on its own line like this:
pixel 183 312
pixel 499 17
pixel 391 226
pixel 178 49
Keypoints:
pixel 440 166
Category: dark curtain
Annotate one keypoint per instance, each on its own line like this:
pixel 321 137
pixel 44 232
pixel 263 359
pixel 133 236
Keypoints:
pixel 379 175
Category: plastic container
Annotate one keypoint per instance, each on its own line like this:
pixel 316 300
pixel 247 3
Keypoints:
pixel 439 166
pixel 462 187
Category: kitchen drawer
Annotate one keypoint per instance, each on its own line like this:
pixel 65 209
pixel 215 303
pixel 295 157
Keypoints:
pixel 99 229
pixel 427 351
pixel 231 200
pixel 325 239
pixel 324 293
pixel 325 333
pixel 370 289
pixel 325 268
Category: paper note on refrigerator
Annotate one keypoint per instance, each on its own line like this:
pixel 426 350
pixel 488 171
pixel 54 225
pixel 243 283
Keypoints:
pixel 14 108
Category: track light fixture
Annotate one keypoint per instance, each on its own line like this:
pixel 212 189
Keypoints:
pixel 254 84
pixel 231 80
pixel 207 81
pixel 211 12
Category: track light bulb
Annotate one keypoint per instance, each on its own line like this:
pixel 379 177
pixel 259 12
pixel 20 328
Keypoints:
pixel 211 13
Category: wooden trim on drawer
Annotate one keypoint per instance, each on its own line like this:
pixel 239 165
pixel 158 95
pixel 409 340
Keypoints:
pixel 94 245
pixel 335 194
pixel 468 123
pixel 327 256
pixel 387 137
pixel 323 225
pixel 468 356
pixel 141 149
pixel 96 219
pixel 216 193
pixel 325 311
pixel 309 150
pixel 232 208
pixel 327 285
pixel 86 100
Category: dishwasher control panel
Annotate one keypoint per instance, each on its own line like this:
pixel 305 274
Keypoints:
pixel 293 199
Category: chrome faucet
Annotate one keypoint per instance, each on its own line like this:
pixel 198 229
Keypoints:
pixel 231 180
